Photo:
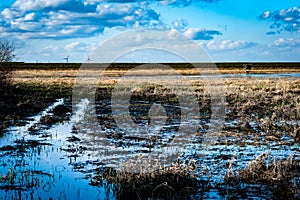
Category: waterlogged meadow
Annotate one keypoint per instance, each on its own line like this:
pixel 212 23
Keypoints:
pixel 62 152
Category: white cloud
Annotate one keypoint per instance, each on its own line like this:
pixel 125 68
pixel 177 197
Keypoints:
pixel 9 13
pixel 50 48
pixel 61 19
pixel 29 17
pixel 265 15
pixel 183 3
pixel 76 46
pixel 201 34
pixel 229 45
pixel 286 44
pixel 285 19
pixel 25 5
pixel 180 25
pixel 118 9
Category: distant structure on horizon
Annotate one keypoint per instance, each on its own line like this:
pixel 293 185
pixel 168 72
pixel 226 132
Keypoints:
pixel 88 59
pixel 247 67
pixel 66 58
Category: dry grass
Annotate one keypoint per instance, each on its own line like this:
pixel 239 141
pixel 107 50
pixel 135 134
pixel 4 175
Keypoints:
pixel 147 178
pixel 274 104
pixel 45 76
pixel 69 75
pixel 267 170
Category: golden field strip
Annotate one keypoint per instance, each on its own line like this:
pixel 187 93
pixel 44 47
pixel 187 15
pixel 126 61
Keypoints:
pixel 67 76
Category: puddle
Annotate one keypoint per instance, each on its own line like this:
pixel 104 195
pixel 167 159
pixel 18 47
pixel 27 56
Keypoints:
pixel 36 166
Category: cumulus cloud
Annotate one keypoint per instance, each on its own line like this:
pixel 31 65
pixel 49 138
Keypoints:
pixel 201 34
pixel 46 51
pixel 286 19
pixel 183 3
pixel 50 48
pixel 180 24
pixel 229 45
pixel 286 43
pixel 60 19
pixel 175 3
pixel 78 46
pixel 63 19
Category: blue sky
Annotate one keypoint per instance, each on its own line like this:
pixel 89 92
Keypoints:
pixel 228 30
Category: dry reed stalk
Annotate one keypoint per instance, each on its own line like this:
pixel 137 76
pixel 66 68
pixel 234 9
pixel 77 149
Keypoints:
pixel 282 174
pixel 265 169
pixel 147 176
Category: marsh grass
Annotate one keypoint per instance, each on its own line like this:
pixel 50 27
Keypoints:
pixel 273 104
pixel 146 178
pixel 24 180
pixel 5 76
pixel 28 98
pixel 264 169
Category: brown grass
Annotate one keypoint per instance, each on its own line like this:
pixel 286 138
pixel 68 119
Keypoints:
pixel 150 178
pixel 264 169
pixel 267 170
pixel 273 103
pixel 56 76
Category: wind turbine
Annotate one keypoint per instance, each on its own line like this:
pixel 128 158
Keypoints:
pixel 88 59
pixel 66 58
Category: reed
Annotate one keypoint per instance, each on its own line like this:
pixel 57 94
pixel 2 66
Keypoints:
pixel 265 169
pixel 146 178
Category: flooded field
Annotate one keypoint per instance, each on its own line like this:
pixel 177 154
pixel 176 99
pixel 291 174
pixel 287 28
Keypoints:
pixel 57 155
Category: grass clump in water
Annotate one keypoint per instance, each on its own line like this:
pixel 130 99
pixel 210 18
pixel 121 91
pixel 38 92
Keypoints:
pixel 136 181
pixel 284 175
